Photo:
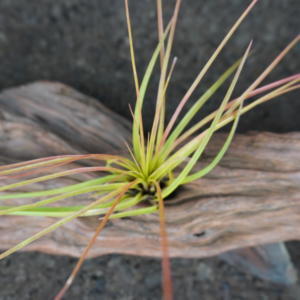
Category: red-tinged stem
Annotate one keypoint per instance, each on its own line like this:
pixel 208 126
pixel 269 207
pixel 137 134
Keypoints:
pixel 168 51
pixel 80 156
pixel 132 51
pixel 43 170
pixel 135 79
pixel 24 163
pixel 137 164
pixel 228 118
pixel 119 176
pixel 271 86
pixel 200 76
pixel 265 73
pixel 162 56
pixel 163 74
pixel 159 107
pixel 61 174
pixel 54 158
pixel 160 31
pixel 166 266
pixel 140 146
pixel 264 99
pixel 133 117
pixel 230 104
pixel 83 256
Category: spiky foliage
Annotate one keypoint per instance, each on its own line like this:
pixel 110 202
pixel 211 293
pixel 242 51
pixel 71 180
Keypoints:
pixel 149 174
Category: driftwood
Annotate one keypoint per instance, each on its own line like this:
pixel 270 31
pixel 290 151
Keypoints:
pixel 252 197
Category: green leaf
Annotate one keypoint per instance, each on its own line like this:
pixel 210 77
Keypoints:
pixel 104 188
pixel 65 220
pixel 61 174
pixel 135 212
pixel 59 190
pixel 199 103
pixel 220 154
pixel 204 142
pixel 143 88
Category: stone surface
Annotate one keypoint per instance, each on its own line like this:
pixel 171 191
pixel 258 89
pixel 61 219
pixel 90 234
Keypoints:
pixel 84 44
pixel 135 278
pixel 270 262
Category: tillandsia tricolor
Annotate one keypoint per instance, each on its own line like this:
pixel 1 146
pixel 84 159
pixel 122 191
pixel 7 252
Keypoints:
pixel 149 174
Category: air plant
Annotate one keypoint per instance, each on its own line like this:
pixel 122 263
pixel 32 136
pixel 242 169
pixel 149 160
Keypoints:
pixel 149 173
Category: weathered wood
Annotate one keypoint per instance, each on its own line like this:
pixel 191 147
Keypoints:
pixel 252 197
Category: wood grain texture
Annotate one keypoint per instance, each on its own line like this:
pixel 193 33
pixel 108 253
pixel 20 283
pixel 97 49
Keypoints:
pixel 252 197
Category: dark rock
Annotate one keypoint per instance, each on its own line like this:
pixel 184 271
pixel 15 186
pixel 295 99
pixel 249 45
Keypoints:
pixel 100 285
pixel 84 44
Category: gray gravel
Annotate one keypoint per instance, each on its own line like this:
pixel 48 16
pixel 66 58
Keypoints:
pixel 84 43
pixel 38 276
